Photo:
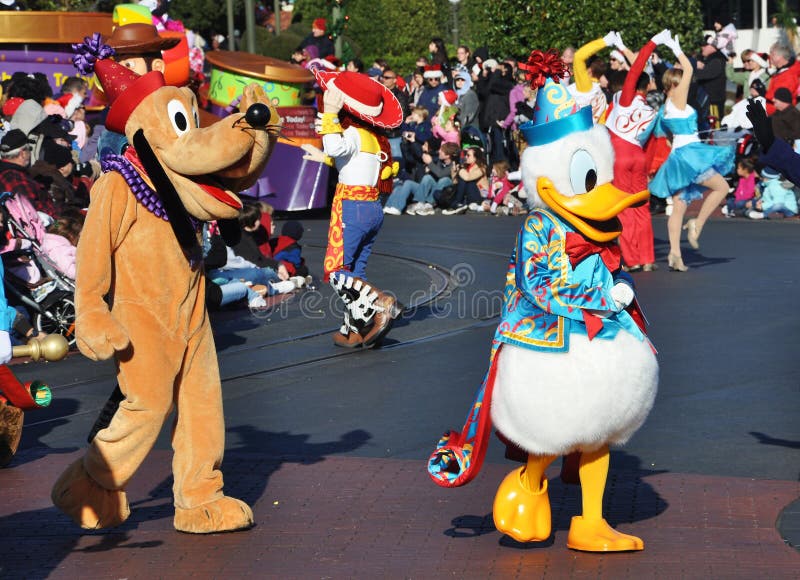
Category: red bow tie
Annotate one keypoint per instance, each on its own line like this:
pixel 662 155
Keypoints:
pixel 579 248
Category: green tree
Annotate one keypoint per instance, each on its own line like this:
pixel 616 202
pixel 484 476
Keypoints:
pixel 401 31
pixel 73 5
pixel 207 16
pixel 514 27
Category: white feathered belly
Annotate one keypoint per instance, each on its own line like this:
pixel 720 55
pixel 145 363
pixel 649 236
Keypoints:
pixel 600 392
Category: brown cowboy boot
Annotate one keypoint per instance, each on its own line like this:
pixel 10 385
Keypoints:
pixel 347 336
pixel 387 309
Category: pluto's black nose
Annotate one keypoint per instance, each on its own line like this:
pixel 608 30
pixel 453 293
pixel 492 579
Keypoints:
pixel 258 115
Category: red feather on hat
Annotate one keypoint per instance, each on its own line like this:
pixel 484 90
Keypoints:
pixel 543 65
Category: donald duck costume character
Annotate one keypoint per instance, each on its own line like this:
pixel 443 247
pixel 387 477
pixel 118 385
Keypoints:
pixel 571 369
pixel 355 110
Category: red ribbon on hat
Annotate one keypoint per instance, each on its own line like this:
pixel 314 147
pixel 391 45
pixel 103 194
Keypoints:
pixel 543 65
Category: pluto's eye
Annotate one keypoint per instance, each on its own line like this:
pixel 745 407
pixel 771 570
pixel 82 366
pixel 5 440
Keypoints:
pixel 582 172
pixel 178 116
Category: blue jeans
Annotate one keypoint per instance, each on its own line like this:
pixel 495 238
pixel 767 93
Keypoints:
pixel 361 221
pixel 255 275
pixel 421 192
pixel 234 291
pixel 397 152
pixel 735 205
pixel 428 186
pixel 399 197
pixel 778 208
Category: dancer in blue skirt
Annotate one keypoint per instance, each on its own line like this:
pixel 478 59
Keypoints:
pixel 692 167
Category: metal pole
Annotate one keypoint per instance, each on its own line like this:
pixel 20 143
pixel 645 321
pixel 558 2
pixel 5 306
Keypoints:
pixel 277 11
pixel 231 29
pixel 454 4
pixel 337 43
pixel 455 25
pixel 250 23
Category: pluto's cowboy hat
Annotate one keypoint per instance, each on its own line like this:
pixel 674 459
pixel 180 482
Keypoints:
pixel 364 97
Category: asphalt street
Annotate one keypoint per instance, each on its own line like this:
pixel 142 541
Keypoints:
pixel 727 334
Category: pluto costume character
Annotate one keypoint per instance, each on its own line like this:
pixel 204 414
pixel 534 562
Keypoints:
pixel 139 247
pixel 355 110
pixel 571 369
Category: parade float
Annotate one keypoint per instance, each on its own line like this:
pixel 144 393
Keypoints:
pixel 289 182
pixel 40 42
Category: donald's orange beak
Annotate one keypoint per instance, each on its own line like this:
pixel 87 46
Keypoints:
pixel 594 213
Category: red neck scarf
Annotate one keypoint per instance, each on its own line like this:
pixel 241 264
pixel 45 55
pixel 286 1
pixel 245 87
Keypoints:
pixel 579 248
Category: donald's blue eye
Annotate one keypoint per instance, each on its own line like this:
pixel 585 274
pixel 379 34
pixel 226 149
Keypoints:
pixel 582 172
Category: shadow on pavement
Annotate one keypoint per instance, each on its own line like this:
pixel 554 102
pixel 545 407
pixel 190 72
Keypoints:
pixel 765 439
pixel 41 539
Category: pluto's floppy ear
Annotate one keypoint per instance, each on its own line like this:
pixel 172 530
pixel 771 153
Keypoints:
pixel 177 214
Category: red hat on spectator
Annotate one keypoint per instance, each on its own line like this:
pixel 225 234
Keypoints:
pixel 11 105
pixel 319 24
pixel 432 71
pixel 450 97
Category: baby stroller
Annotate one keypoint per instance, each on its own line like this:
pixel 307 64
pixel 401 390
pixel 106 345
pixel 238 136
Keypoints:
pixel 50 300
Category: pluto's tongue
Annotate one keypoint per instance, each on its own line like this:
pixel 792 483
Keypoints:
pixel 220 194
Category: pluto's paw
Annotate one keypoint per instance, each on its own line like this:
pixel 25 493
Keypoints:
pixel 89 505
pixel 226 514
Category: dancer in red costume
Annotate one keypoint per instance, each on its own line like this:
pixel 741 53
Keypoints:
pixel 630 122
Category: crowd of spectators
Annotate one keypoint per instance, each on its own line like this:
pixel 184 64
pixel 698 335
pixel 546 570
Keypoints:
pixel 458 149
pixel 476 102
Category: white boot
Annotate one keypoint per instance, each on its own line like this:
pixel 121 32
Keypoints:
pixel 284 286
pixel 300 281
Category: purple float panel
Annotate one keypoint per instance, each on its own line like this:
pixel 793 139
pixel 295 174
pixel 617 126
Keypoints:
pixel 291 183
pixel 56 65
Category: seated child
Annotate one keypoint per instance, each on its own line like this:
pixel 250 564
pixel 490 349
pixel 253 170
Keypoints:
pixel 221 287
pixel 499 189
pixel 776 200
pixel 745 189
pixel 287 250
pixel 416 131
pixel 247 254
pixel 445 123
pixel 57 249
pixel 267 229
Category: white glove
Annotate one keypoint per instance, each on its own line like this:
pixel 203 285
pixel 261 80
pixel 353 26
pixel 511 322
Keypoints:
pixel 313 153
pixel 623 295
pixel 23 244
pixel 5 347
pixel 619 44
pixel 674 45
pixel 662 37
pixel 610 38
pixel 333 99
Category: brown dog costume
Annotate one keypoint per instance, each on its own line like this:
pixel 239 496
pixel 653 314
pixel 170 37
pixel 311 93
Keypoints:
pixel 139 247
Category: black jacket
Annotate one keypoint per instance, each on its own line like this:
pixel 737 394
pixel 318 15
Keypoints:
pixel 247 248
pixel 712 77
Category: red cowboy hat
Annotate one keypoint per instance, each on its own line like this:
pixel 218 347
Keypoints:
pixel 364 97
